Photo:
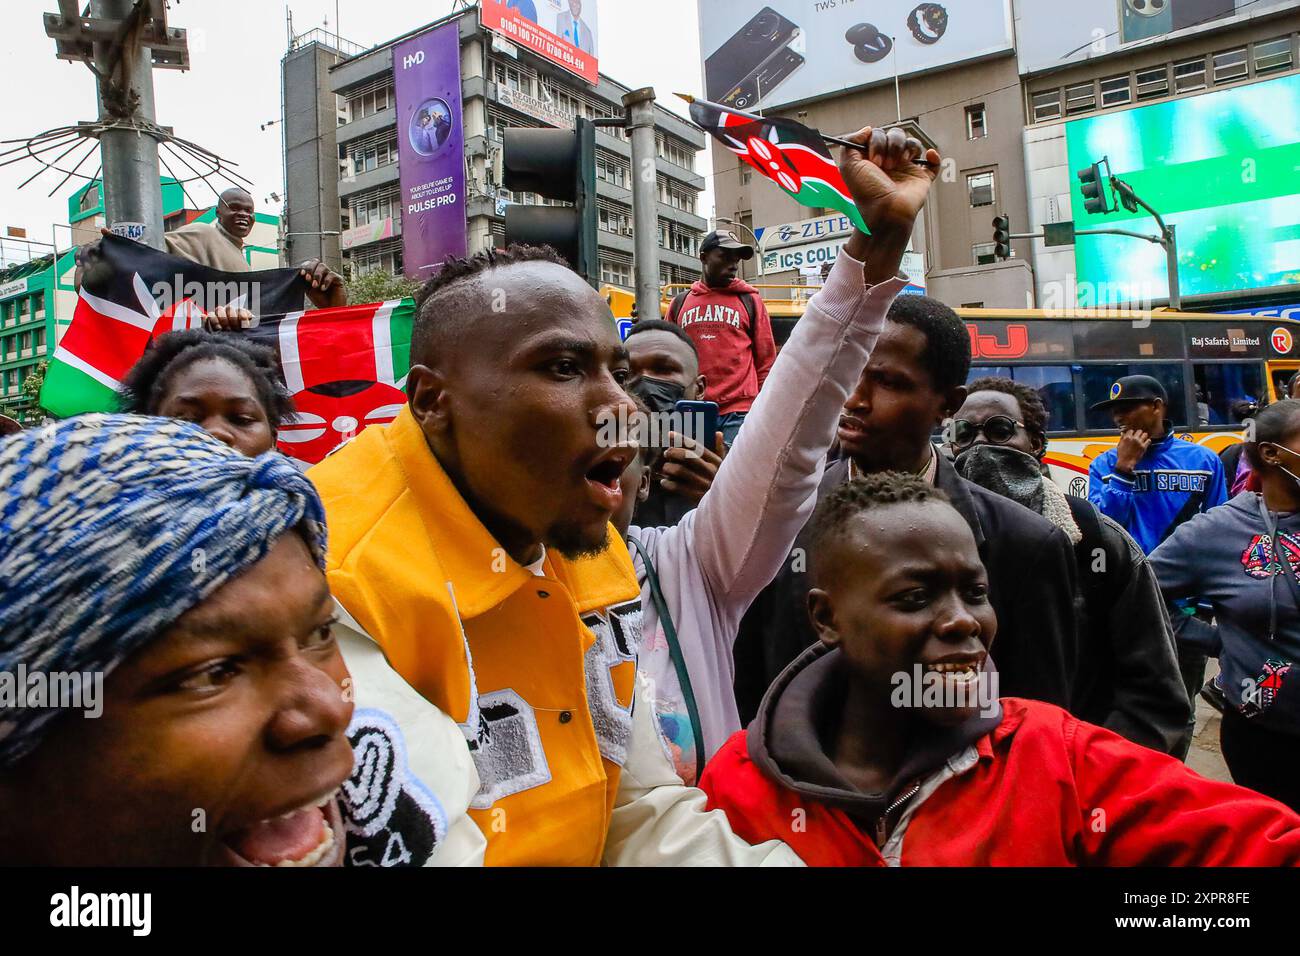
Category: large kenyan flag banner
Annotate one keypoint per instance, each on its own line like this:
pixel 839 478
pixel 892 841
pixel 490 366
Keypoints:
pixel 345 368
pixel 786 152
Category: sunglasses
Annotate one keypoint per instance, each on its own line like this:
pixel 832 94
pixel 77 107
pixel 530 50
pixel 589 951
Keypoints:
pixel 999 430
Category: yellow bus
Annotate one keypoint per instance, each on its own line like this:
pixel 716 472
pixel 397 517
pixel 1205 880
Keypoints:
pixel 1206 362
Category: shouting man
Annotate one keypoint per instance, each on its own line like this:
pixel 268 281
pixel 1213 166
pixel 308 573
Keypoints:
pixel 471 541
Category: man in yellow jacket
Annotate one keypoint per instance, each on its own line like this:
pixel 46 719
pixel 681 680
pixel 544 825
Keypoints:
pixel 470 541
pixel 470 547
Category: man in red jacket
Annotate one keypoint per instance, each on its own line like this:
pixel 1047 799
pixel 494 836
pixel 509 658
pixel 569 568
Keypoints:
pixel 886 744
pixel 726 318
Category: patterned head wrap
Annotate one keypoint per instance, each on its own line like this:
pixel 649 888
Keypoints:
pixel 112 527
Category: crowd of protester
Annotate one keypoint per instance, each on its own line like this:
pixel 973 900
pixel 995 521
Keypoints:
pixel 485 635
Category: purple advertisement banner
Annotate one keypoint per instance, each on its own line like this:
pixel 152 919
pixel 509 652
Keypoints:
pixel 431 149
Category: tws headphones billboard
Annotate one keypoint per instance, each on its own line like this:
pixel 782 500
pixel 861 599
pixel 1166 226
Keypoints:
pixel 768 53
pixel 1221 167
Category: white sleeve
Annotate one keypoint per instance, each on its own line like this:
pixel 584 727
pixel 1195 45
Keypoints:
pixel 659 822
pixel 766 488
pixel 437 755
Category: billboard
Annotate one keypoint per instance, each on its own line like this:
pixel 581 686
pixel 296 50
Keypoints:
pixel 430 149
pixel 768 53
pixel 1051 35
pixel 566 32
pixel 1218 166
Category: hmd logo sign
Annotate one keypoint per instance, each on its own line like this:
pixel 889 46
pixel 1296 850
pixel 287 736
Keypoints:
pixel 414 59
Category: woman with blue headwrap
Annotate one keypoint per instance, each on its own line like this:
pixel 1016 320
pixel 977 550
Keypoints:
pixel 171 692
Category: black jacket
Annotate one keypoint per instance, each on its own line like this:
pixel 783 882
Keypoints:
pixel 1128 678
pixel 1031 569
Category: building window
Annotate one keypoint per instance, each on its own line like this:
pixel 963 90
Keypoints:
pixel 1189 75
pixel 1047 105
pixel 612 171
pixel 615 273
pixel 985 253
pixel 675 152
pixel 1153 83
pixel 369 102
pixel 1080 98
pixel 746 175
pixel 371 154
pixel 617 221
pixel 1230 65
pixel 976 122
pixel 1116 90
pixel 375 207
pixel 1273 55
pixel 89 199
pixel 980 187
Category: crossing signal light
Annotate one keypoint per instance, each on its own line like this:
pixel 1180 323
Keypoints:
pixel 557 164
pixel 1002 236
pixel 1093 185
pixel 1125 193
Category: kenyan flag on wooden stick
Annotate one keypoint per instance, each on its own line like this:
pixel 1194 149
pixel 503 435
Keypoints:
pixel 788 153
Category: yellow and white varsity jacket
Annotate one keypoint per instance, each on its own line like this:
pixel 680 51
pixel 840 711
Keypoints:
pixel 539 672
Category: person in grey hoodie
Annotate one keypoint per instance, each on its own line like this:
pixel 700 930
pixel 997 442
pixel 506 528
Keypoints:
pixel 1243 558
pixel 698 577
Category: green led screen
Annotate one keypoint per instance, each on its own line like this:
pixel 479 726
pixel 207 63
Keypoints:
pixel 1223 167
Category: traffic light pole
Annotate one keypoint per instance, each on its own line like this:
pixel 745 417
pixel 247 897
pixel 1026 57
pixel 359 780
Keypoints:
pixel 640 106
pixel 1168 239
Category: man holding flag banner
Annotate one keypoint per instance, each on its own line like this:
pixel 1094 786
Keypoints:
pixel 344 367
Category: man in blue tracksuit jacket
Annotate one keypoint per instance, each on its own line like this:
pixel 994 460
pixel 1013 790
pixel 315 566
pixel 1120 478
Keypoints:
pixel 1151 483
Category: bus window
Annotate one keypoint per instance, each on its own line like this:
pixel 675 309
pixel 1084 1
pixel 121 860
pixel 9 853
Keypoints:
pixel 1055 387
pixel 1053 383
pixel 1282 381
pixel 1220 385
pixel 1097 380
pixel 988 371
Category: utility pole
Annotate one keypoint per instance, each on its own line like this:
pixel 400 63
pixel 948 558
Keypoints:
pixel 122 41
pixel 132 195
pixel 640 105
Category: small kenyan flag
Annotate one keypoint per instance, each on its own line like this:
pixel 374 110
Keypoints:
pixel 788 153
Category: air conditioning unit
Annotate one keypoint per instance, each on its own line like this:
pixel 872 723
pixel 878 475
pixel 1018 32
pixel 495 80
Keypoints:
pixel 981 196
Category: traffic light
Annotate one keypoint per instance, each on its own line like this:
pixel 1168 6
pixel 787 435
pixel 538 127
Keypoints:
pixel 1094 180
pixel 1002 236
pixel 1125 193
pixel 558 164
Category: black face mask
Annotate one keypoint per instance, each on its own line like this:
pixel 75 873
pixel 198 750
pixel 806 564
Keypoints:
pixel 658 395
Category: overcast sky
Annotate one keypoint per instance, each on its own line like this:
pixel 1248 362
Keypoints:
pixel 234 83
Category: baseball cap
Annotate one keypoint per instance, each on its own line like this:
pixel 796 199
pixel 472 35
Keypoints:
pixel 721 239
pixel 1133 388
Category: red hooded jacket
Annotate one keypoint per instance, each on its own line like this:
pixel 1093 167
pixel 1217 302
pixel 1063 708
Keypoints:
pixel 1047 790
pixel 734 357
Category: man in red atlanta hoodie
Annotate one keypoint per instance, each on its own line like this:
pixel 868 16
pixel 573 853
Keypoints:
pixel 887 745
pixel 726 318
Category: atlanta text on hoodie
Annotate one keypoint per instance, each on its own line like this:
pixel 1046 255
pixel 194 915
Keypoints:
pixel 735 353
